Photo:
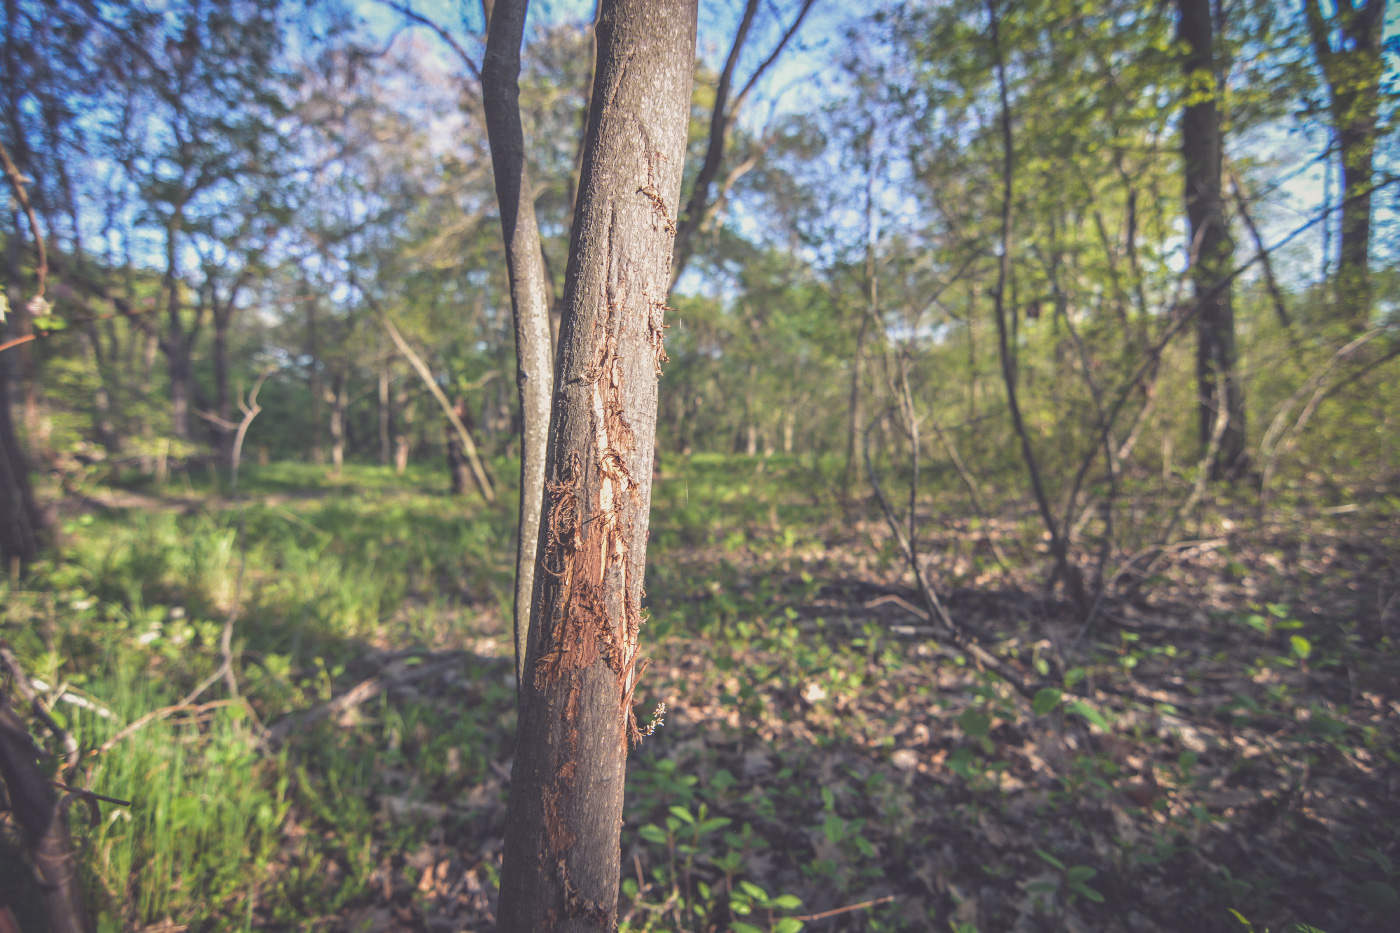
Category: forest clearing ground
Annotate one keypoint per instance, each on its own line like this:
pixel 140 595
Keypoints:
pixel 1229 743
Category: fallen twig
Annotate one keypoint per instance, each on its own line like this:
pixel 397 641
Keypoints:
pixel 155 715
pixel 358 695
pixel 948 632
pixel 836 912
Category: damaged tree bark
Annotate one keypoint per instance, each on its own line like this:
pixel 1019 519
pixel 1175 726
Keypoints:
pixel 562 853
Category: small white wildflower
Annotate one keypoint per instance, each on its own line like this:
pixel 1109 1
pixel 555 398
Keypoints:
pixel 658 719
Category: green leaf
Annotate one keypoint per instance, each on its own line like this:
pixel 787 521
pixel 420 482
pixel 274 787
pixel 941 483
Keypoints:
pixel 683 815
pixel 653 833
pixel 1080 873
pixel 787 902
pixel 1089 713
pixel 713 823
pixel 744 928
pixel 1045 700
pixel 1050 859
pixel 961 763
pixel 1380 898
pixel 1381 860
pixel 787 925
pixel 754 891
pixel 1301 646
pixel 975 722
pixel 1241 918
pixel 1088 893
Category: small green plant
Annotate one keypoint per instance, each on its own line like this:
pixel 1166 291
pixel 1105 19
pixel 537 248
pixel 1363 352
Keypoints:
pixel 749 898
pixel 1073 881
pixel 1251 928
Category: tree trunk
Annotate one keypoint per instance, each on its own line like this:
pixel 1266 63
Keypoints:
pixel 458 467
pixel 1353 73
pixel 149 348
pixel 176 346
pixel 338 398
pixel 385 412
pixel 223 405
pixel 1210 247
pixel 44 820
pixel 855 425
pixel 407 411
pixel 23 529
pixel 102 396
pixel 318 452
pixel 562 850
pixel 529 290
pixel 1004 306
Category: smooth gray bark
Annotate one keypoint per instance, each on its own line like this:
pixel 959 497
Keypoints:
pixel 562 851
pixel 529 289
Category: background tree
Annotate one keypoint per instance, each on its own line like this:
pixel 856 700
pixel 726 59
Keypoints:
pixel 1350 54
pixel 1210 252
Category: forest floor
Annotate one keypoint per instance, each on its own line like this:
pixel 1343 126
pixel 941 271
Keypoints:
pixel 1220 749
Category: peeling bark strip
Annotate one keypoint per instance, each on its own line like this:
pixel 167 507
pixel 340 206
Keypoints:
pixel 562 857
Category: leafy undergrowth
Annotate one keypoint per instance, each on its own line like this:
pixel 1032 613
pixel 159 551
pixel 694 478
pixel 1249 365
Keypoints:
pixel 1218 750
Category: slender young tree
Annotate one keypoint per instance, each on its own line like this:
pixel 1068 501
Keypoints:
pixel 562 852
pixel 1210 248
pixel 529 289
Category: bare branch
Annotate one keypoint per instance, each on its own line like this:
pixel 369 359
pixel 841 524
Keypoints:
pixel 409 13
pixel 17 181
pixel 483 483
